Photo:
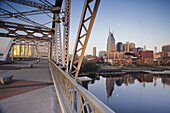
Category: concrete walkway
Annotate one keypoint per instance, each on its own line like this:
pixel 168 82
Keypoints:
pixel 31 90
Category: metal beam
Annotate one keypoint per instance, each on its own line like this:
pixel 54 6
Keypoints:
pixel 58 43
pixel 22 18
pixel 27 13
pixel 45 2
pixel 4 24
pixel 22 37
pixel 31 4
pixel 66 33
pixel 80 45
pixel 12 29
pixel 58 4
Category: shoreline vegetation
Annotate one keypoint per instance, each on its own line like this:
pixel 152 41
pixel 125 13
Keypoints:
pixel 91 68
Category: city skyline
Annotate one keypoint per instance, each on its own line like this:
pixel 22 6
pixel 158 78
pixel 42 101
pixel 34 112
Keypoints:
pixel 131 20
pixel 145 22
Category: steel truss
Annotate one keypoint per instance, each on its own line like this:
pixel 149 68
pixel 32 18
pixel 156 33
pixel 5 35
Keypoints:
pixel 7 15
pixel 58 44
pixel 13 28
pixel 20 17
pixel 32 4
pixel 53 35
pixel 66 33
pixel 80 45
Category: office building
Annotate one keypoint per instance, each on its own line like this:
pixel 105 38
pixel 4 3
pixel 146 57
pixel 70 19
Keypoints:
pixel 120 47
pixel 166 54
pixel 111 43
pixel 131 46
pixel 166 51
pixel 126 47
pixel 102 54
pixel 145 57
pixel 116 55
pixel 94 51
pixel 139 49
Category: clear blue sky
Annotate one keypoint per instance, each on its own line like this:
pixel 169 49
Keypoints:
pixel 144 22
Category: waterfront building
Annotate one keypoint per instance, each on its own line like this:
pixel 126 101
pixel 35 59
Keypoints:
pixel 166 54
pixel 116 55
pixel 166 51
pixel 131 46
pixel 135 52
pixel 126 47
pixel 102 54
pixel 145 57
pixel 139 49
pixel 111 43
pixel 120 47
pixel 157 58
pixel 158 55
pixel 94 51
pixel 129 58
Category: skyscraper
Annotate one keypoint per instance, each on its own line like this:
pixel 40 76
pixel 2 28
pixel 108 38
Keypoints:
pixel 102 54
pixel 139 49
pixel 131 46
pixel 120 47
pixel 126 47
pixel 110 43
pixel 94 51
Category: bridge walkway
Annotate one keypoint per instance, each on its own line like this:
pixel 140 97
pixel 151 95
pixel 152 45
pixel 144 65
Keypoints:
pixel 31 90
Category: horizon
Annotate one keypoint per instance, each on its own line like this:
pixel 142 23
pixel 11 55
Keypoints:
pixel 145 22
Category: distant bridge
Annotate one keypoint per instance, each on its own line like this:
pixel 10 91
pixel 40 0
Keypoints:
pixel 73 97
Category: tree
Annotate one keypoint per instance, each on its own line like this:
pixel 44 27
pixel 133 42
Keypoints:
pixel 90 67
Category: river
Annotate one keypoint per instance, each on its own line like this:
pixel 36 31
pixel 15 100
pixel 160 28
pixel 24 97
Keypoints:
pixel 134 93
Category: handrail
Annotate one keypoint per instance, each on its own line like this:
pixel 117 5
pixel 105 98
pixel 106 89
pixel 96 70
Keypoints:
pixel 75 98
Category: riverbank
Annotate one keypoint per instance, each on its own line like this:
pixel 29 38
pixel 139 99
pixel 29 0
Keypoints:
pixel 116 70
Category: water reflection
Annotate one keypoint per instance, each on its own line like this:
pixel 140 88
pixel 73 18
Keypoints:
pixel 130 79
pixel 134 93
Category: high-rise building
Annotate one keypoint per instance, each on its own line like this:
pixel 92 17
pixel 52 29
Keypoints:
pixel 131 46
pixel 94 51
pixel 166 51
pixel 126 47
pixel 120 47
pixel 111 43
pixel 166 54
pixel 102 54
pixel 139 49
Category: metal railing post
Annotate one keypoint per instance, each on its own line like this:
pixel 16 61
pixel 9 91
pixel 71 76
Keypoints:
pixel 78 102
pixel 66 86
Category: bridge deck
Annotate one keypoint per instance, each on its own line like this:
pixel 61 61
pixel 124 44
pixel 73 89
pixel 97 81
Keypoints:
pixel 31 90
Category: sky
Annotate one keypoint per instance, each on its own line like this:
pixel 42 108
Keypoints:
pixel 143 22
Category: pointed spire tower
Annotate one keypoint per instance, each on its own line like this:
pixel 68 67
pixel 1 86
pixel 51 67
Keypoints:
pixel 109 31
pixel 111 46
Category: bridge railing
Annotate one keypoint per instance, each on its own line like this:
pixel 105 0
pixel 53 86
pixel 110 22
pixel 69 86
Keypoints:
pixel 72 96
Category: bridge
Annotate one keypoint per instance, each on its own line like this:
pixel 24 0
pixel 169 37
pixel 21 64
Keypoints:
pixel 72 97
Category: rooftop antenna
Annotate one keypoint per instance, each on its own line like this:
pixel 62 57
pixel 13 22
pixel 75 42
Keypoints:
pixel 155 49
pixel 109 32
pixel 144 47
